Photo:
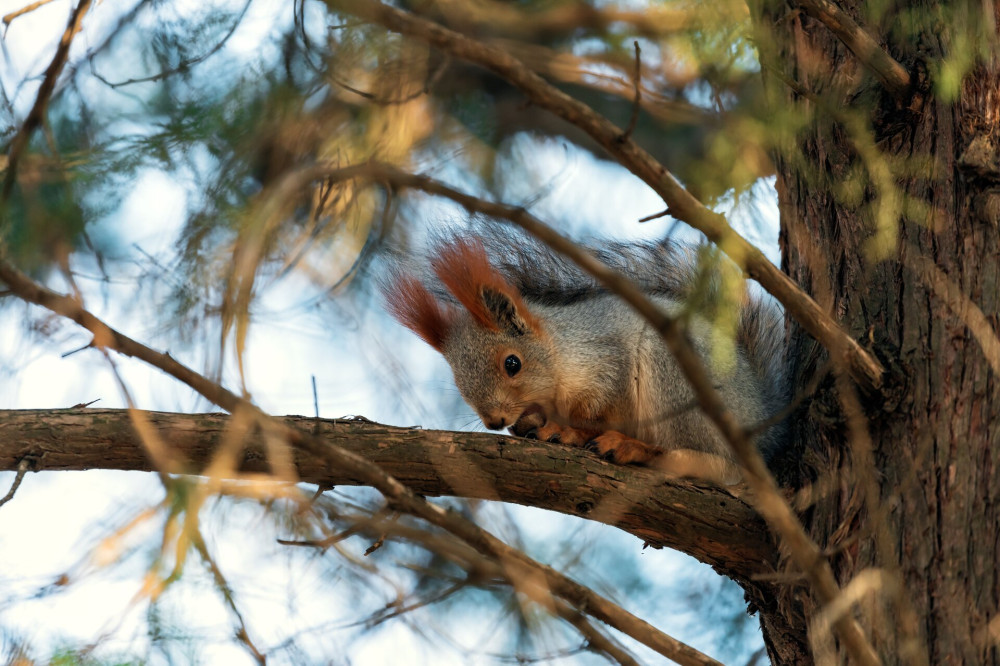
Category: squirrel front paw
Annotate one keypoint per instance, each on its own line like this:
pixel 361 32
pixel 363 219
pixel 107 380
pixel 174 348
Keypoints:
pixel 560 434
pixel 622 449
pixel 550 432
pixel 533 424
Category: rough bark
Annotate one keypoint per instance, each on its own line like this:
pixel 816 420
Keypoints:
pixel 712 524
pixel 924 521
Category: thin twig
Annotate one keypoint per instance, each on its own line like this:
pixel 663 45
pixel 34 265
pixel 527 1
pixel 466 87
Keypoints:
pixel 37 113
pixel 242 635
pixel 890 73
pixel 8 18
pixel 862 366
pixel 399 496
pixel 22 469
pixel 636 102
pixel 655 216
pixel 84 405
pixel 315 397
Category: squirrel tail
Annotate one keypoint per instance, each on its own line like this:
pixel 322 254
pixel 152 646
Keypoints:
pixel 760 333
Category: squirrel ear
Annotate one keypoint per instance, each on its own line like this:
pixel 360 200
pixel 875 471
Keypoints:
pixel 504 312
pixel 466 271
pixel 417 309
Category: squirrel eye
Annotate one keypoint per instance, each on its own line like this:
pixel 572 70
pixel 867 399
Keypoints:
pixel 512 365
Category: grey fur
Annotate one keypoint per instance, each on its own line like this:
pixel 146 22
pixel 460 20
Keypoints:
pixel 592 334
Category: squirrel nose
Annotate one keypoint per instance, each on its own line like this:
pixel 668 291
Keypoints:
pixel 494 423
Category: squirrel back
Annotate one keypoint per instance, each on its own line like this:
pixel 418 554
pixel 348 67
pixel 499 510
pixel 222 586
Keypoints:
pixel 537 345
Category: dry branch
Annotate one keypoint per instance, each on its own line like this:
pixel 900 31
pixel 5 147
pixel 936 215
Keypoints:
pixel 682 205
pixel 706 522
pixel 27 9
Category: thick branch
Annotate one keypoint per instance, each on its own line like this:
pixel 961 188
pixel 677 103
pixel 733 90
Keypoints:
pixel 893 77
pixel 683 206
pixel 706 522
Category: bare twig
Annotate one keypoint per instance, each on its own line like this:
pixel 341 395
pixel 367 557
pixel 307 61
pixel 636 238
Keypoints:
pixel 767 498
pixel 399 496
pixel 655 216
pixel 8 18
pixel 636 102
pixel 242 635
pixel 84 405
pixel 315 397
pixel 477 568
pixel 892 75
pixel 37 113
pixel 22 468
pixel 682 205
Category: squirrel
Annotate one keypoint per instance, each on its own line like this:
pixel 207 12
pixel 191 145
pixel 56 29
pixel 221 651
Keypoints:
pixel 538 346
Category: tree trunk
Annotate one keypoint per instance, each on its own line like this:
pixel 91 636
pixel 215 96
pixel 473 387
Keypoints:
pixel 916 506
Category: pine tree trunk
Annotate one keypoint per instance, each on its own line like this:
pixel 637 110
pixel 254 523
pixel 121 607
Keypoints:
pixel 912 517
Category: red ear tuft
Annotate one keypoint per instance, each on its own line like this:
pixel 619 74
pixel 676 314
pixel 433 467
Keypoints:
pixel 466 271
pixel 417 309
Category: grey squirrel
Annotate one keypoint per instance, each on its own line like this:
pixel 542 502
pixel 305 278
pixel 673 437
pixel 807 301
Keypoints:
pixel 539 347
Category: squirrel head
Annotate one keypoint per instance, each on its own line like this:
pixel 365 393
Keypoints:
pixel 500 355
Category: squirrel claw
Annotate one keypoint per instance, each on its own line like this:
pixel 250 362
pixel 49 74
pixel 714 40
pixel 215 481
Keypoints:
pixel 622 449
pixel 555 439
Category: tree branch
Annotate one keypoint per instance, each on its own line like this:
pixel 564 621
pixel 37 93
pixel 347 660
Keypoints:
pixel 682 205
pixel 22 468
pixel 706 522
pixel 364 471
pixel 890 73
pixel 27 9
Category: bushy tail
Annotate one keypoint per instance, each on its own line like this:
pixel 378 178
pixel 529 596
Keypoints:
pixel 761 334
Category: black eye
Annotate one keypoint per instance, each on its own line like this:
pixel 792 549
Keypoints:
pixel 512 365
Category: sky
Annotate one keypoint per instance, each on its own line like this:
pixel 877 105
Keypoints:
pixel 63 523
